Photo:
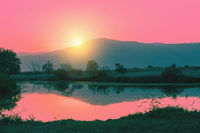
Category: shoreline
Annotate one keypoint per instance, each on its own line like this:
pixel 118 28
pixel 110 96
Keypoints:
pixel 165 120
pixel 113 83
pixel 107 79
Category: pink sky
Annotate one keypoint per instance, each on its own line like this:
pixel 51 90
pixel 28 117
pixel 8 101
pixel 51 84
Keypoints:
pixel 44 25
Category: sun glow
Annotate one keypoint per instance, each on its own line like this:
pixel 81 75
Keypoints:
pixel 77 42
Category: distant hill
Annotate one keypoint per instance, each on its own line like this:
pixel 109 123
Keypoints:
pixel 23 54
pixel 108 52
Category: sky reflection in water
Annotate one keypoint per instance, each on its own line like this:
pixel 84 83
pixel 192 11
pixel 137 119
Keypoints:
pixel 86 101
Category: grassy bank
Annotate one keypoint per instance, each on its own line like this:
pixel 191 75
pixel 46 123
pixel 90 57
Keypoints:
pixel 166 120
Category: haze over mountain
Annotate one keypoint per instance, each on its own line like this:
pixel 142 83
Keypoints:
pixel 108 52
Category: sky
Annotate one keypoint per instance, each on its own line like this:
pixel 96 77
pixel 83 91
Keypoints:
pixel 45 25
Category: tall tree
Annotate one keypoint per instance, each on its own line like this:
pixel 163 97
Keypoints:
pixel 9 63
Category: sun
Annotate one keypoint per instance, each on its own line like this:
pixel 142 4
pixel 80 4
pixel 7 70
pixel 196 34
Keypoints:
pixel 77 42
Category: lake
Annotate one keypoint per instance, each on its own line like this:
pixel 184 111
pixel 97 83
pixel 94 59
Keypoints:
pixel 49 101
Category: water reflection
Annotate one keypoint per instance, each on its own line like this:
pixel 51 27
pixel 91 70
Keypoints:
pixel 172 91
pixel 55 107
pixel 49 101
pixel 105 89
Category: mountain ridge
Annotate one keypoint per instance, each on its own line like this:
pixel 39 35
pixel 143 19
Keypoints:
pixel 130 53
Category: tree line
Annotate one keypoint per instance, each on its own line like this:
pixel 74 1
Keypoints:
pixel 10 64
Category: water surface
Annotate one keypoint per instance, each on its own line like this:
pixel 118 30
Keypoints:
pixel 48 101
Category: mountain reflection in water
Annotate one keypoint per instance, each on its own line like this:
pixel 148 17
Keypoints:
pixel 48 101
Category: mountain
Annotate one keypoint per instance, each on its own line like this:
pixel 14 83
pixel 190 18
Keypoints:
pixel 108 52
pixel 23 54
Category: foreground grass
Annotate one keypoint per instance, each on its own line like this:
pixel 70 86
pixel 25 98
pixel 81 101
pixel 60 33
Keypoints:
pixel 166 120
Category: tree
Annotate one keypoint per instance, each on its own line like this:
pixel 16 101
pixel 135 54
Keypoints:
pixel 35 67
pixel 120 68
pixel 102 73
pixel 48 67
pixel 7 86
pixel 9 63
pixel 171 73
pixel 66 67
pixel 92 67
pixel 61 74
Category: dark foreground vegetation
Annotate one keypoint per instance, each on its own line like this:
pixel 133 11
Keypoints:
pixel 9 64
pixel 166 120
pixel 7 85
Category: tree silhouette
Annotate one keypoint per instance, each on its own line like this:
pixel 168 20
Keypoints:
pixel 9 63
pixel 120 68
pixel 92 67
pixel 35 67
pixel 171 73
pixel 66 67
pixel 48 67
pixel 61 74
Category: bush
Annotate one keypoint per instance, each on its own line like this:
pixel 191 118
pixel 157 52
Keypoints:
pixel 171 73
pixel 102 74
pixel 61 74
pixel 120 68
pixel 7 85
